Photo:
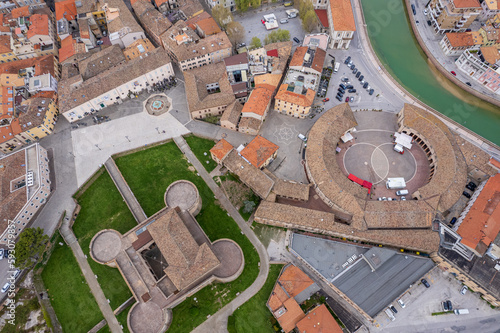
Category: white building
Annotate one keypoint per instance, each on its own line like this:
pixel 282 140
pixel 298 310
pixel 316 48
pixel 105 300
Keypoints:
pixel 482 66
pixel 26 188
pixel 80 98
pixel 341 24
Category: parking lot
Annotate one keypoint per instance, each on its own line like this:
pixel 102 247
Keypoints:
pixel 421 302
pixel 254 27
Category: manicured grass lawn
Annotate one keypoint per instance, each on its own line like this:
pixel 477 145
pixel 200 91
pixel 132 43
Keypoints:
pixel 70 296
pixel 254 316
pixel 200 147
pixel 148 173
pixel 122 318
pixel 103 208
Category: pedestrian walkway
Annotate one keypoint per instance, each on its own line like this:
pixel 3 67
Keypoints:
pixel 125 191
pixel 218 322
pixel 91 279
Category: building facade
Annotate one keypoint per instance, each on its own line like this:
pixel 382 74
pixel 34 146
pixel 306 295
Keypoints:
pixel 453 15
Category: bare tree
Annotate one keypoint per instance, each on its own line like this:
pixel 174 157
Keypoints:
pixel 222 15
pixel 235 32
pixel 310 21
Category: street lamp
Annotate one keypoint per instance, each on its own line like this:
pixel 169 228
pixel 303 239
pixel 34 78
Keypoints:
pixel 98 147
pixel 157 130
pixel 126 137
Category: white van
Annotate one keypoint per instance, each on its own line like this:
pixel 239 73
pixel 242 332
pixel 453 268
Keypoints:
pixel 302 137
pixel 6 287
pixel 283 21
pixel 399 148
pixel 402 192
pixel 397 183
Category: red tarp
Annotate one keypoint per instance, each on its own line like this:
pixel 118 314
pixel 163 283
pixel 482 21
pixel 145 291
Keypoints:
pixel 273 53
pixel 360 181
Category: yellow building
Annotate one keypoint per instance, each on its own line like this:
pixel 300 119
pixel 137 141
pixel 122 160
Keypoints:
pixel 452 15
pixel 292 102
pixel 42 114
pixel 490 35
pixel 6 52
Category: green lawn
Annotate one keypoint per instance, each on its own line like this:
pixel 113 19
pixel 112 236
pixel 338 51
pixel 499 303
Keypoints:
pixel 103 208
pixel 74 304
pixel 200 147
pixel 122 318
pixel 148 173
pixel 254 316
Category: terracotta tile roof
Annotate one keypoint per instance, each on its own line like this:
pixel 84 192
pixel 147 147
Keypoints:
pixel 39 25
pixel 151 18
pixel 101 61
pixel 137 48
pixel 69 47
pixel 66 9
pixel 319 320
pixel 284 51
pixel 5 44
pixel 342 15
pixel 196 80
pixel 249 123
pixel 459 39
pixel 258 102
pixel 221 149
pixel 13 167
pixel 298 56
pixel 293 314
pixel 322 15
pixel 253 177
pixel 232 113
pixel 482 223
pixel 121 19
pixel 294 281
pixel 288 189
pixel 236 59
pixel 21 12
pixel 495 163
pixel 42 65
pixel 491 54
pixel 83 25
pixel 269 81
pixel 258 151
pixel 191 22
pixel 289 96
pixel 187 261
pixel 466 3
pixel 208 26
pixel 277 298
pixel 4 28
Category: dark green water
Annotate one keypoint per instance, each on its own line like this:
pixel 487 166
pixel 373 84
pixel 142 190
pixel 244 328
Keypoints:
pixel 391 37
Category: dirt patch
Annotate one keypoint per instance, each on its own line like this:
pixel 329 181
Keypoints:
pixel 191 168
pixel 236 192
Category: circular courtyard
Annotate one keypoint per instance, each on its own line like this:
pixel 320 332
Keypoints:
pixel 157 105
pixel 185 195
pixel 105 246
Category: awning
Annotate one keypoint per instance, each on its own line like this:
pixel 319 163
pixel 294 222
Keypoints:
pixel 346 137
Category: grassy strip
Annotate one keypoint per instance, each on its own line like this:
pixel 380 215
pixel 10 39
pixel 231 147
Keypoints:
pixel 254 316
pixel 102 207
pixel 200 147
pixel 122 318
pixel 69 293
pixel 148 173
pixel 442 313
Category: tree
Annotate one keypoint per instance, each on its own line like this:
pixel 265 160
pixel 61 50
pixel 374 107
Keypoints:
pixel 255 43
pixel 222 15
pixel 279 35
pixel 310 21
pixel 283 35
pixel 304 7
pixel 29 247
pixel 255 3
pixel 235 32
pixel 242 5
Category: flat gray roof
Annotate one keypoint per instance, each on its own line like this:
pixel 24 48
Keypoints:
pixel 371 291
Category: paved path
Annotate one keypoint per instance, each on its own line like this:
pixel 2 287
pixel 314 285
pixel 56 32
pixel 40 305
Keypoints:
pixel 218 322
pixel 102 302
pixel 125 191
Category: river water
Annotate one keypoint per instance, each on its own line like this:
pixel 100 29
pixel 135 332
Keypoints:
pixel 393 40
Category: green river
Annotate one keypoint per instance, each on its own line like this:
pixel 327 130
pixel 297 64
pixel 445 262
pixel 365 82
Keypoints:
pixel 392 38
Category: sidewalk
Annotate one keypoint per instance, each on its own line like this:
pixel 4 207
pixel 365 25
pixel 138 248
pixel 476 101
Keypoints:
pixel 101 300
pixel 218 322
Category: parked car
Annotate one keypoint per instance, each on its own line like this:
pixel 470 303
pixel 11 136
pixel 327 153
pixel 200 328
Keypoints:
pixel 5 287
pixel 351 99
pixel 16 273
pixel 401 303
pixel 355 70
pixel 352 91
pixel 296 40
pixel 358 74
pixel 468 83
pixel 342 91
pixel 365 85
pixel 361 78
pixel 445 306
pixel 345 79
pixel 466 194
pixel 339 98
pixel 403 198
pixel 429 23
pixel 463 290
pixel 425 283
pixel 326 99
pixel 263 21
pixel 371 92
pixel 1 254
pixel 347 60
pixel 393 309
pixel 343 86
pixel 471 186
pixel 347 99
pixel 425 12
pixel 450 307
pixel 349 86
pixel 453 221
pixel 352 66
pixel 453 72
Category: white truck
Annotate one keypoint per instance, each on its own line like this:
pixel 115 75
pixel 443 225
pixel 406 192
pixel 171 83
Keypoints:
pixel 461 311
pixel 395 183
pixel 389 314
pixel 337 66
pixel 291 13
